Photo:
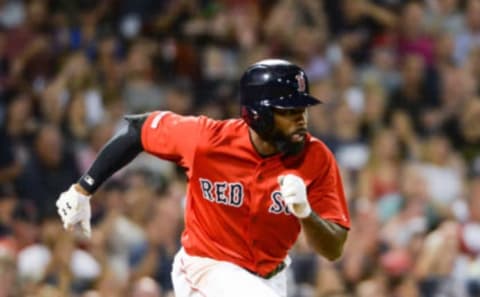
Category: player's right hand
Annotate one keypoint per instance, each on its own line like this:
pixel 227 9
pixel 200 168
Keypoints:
pixel 294 193
pixel 74 208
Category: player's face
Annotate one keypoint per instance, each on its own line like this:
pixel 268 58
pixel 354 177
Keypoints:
pixel 290 128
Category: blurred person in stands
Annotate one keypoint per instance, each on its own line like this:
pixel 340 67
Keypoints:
pixel 19 232
pixel 34 66
pixel 285 20
pixel 8 200
pixel 141 92
pixel 313 52
pixel 464 132
pixel 85 32
pixel 409 216
pixel 467 39
pixel 50 166
pixel 8 284
pixel 444 51
pixel 346 142
pixel 146 287
pixel 154 257
pixel 75 84
pixel 382 69
pixel 473 65
pixel 435 263
pixel 379 178
pixel 330 282
pixel 444 172
pixel 412 96
pixel 410 141
pixel 75 117
pixel 372 287
pixel 108 284
pixel 346 87
pixel 15 134
pixel 467 268
pixel 69 265
pixel 363 248
pixel 179 99
pixel 20 37
pixel 110 70
pixel 444 15
pixel 305 268
pixel 320 119
pixel 24 234
pixel 24 226
pixel 358 25
pixel 4 67
pixel 458 86
pixel 373 115
pixel 413 39
pixel 444 46
pixel 122 218
pixel 402 234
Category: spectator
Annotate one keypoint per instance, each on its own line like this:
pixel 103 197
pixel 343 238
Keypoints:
pixel 413 38
pixel 47 172
pixel 411 96
pixel 466 40
pixel 379 178
pixel 358 25
pixel 141 92
pixel 444 16
pixel 443 171
pixel 155 255
pixel 146 287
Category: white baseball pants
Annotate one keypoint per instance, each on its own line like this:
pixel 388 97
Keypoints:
pixel 204 277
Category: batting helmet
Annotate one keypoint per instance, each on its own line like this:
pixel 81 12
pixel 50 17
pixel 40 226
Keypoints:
pixel 271 84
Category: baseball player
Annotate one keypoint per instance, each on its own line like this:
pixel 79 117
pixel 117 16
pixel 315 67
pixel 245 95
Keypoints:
pixel 253 184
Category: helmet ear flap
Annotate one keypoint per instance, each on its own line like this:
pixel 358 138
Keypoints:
pixel 259 118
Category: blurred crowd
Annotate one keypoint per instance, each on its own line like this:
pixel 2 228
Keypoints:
pixel 400 82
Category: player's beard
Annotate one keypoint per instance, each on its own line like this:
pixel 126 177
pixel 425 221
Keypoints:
pixel 283 142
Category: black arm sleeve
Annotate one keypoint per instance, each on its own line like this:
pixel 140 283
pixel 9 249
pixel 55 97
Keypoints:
pixel 118 152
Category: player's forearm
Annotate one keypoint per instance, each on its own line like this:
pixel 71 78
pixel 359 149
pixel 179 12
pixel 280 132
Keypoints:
pixel 118 152
pixel 327 238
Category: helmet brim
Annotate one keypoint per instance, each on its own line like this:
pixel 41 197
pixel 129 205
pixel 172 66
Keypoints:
pixel 297 100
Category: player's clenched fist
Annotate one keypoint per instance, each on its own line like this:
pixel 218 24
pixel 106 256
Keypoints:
pixel 74 207
pixel 294 193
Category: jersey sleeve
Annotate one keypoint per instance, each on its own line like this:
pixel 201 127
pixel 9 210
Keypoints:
pixel 171 137
pixel 326 194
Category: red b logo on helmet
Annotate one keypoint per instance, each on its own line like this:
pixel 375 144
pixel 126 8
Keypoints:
pixel 301 82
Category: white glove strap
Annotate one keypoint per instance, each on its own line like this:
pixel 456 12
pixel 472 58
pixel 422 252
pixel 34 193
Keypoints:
pixel 301 211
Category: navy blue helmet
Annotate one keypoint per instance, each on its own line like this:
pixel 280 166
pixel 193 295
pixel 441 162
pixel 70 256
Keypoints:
pixel 272 84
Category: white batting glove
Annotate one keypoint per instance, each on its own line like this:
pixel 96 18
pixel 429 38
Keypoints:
pixel 74 208
pixel 294 193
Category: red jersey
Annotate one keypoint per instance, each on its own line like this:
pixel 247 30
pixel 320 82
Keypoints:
pixel 234 210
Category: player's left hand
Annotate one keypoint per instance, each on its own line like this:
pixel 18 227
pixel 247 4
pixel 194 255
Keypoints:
pixel 294 193
pixel 74 208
